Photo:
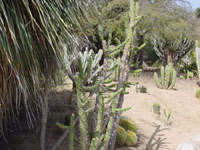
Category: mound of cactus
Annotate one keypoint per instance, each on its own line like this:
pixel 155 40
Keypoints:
pixel 198 93
pixel 131 138
pixel 126 133
pixel 121 136
pixel 128 124
pixel 168 77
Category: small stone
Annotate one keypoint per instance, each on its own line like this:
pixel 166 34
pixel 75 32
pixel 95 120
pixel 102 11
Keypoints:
pixel 187 146
pixel 196 139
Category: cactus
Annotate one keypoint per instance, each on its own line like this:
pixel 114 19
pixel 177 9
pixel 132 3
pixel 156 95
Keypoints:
pixel 167 117
pixel 128 124
pixel 131 138
pixel 197 51
pixel 198 93
pixel 156 108
pixel 190 74
pixel 104 127
pixel 168 77
pixel 71 128
pixel 121 136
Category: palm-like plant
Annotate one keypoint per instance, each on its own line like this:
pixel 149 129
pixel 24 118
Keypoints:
pixel 31 36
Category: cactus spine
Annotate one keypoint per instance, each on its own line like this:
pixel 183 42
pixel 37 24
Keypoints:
pixel 168 77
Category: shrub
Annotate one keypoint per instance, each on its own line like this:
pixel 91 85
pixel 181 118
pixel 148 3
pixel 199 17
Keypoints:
pixel 156 108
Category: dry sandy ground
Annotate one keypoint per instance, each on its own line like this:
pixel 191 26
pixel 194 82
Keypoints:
pixel 182 103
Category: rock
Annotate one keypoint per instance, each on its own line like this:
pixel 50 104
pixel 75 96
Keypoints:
pixel 187 146
pixel 196 139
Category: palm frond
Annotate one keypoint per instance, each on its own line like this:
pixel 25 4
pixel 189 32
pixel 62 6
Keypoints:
pixel 31 36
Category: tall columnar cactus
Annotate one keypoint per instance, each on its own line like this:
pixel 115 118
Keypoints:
pixel 197 51
pixel 168 77
pixel 89 70
pixel 99 82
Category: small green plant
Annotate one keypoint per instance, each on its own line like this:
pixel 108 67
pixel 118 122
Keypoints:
pixel 121 136
pixel 182 77
pixel 156 108
pixel 190 74
pixel 167 117
pixel 168 77
pixel 136 73
pixel 143 89
pixel 198 93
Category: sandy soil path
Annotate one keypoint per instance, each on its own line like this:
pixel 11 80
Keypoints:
pixel 182 103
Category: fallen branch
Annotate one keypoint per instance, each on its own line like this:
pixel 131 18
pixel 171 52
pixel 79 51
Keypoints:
pixel 153 142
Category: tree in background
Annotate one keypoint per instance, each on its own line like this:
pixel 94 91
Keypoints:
pixel 171 29
pixel 164 20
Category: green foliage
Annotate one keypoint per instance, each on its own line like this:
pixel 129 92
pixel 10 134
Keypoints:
pixel 190 75
pixel 31 51
pixel 121 136
pixel 128 124
pixel 168 77
pixel 198 93
pixel 136 73
pixel 156 108
pixel 143 89
pixel 171 51
pixel 131 138
pixel 167 116
pixel 182 77
pixel 170 32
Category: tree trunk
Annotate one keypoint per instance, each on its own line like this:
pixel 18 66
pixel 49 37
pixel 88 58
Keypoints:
pixel 44 116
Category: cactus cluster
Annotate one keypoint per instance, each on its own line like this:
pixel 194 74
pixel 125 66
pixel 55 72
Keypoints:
pixel 94 82
pixel 168 77
pixel 126 133
pixel 156 108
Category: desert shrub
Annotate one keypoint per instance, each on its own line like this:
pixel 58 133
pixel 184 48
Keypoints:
pixel 143 89
pixel 156 108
